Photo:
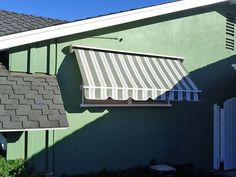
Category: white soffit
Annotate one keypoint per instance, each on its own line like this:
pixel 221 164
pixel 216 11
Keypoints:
pixel 100 22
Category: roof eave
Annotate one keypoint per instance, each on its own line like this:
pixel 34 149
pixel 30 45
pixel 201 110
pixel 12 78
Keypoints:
pixel 47 33
pixel 32 129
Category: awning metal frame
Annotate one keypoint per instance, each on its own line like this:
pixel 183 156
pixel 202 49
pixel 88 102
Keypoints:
pixel 186 91
pixel 129 103
pixel 73 47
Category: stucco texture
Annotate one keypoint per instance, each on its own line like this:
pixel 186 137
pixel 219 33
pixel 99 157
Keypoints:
pixel 116 138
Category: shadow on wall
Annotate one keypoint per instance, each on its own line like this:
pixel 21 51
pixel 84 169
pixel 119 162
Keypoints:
pixel 13 136
pixel 70 81
pixel 217 81
pixel 127 137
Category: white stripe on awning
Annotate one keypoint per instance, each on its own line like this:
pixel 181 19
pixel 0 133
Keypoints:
pixel 122 75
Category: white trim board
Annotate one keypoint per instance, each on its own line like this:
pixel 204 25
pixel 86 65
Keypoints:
pixel 32 36
pixel 83 105
pixel 31 129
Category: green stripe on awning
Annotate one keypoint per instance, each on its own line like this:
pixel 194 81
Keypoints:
pixel 122 75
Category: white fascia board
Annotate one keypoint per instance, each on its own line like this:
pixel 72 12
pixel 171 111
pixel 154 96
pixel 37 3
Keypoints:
pixel 32 36
pixel 31 129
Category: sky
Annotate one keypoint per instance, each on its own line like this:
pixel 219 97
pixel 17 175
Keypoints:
pixel 74 9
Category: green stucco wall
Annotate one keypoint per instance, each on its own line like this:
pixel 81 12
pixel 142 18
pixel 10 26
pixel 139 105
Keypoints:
pixel 16 145
pixel 116 138
pixel 34 58
pixel 27 145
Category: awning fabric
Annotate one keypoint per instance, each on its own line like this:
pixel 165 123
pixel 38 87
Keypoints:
pixel 122 75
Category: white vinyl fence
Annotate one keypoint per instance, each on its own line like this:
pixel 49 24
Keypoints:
pixel 225 135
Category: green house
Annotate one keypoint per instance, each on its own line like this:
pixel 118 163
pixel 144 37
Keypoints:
pixel 118 90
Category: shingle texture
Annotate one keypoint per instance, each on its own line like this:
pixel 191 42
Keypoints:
pixel 11 22
pixel 30 101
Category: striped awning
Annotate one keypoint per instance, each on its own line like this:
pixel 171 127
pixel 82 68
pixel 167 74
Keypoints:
pixel 122 75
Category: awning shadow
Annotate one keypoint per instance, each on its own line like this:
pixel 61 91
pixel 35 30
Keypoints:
pixel 128 137
pixel 216 80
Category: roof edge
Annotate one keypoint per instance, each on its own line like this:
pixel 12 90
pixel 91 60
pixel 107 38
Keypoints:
pixel 47 33
pixel 31 129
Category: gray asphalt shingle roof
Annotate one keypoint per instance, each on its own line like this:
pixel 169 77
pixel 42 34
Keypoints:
pixel 11 22
pixel 30 101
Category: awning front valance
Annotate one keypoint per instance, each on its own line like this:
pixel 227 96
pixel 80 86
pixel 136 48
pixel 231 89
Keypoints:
pixel 122 75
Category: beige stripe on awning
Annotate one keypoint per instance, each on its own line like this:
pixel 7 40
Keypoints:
pixel 122 75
